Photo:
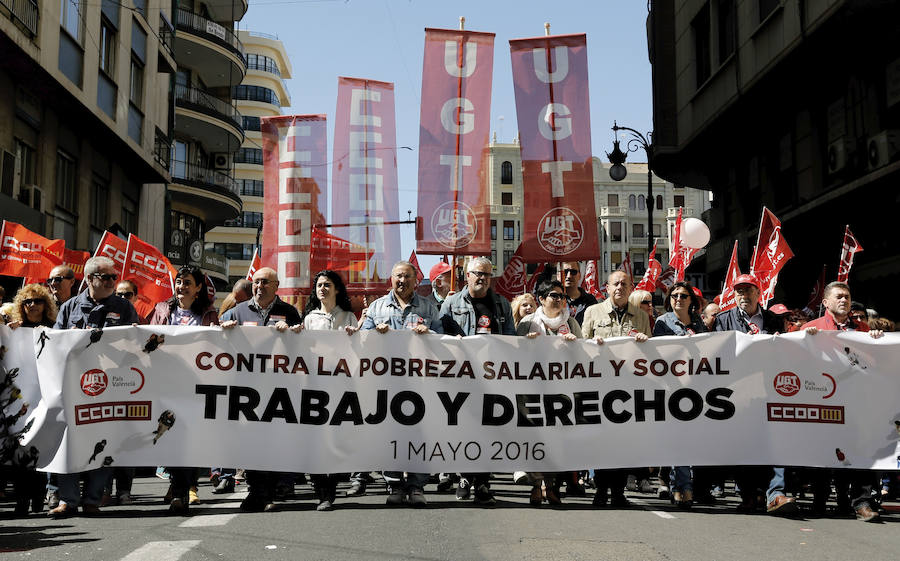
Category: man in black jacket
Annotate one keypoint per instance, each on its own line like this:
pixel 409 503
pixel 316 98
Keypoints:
pixel 749 317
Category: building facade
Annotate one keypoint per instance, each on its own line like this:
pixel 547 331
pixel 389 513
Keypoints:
pixel 85 115
pixel 208 131
pixel 789 104
pixel 620 208
pixel 261 94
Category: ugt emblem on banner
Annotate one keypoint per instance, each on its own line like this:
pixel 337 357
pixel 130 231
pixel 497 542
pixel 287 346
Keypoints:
pixel 453 224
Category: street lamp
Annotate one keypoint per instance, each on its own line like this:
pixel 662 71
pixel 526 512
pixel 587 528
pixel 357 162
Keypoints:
pixel 618 172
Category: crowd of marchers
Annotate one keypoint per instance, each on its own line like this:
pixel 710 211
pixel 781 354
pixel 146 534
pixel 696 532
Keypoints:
pixel 559 307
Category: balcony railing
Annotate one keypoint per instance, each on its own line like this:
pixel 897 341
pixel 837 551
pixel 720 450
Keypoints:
pixel 612 211
pixel 195 174
pixel 504 209
pixel 198 25
pixel 265 66
pixel 673 212
pixel 24 12
pixel 162 149
pixel 193 98
pixel 166 35
pixel 263 35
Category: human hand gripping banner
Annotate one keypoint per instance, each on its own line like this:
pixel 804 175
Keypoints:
pixel 428 403
pixel 550 75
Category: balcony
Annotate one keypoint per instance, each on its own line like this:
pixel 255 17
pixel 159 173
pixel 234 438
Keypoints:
pixel 24 13
pixel 212 51
pixel 215 123
pixel 504 209
pixel 208 193
pixel 612 211
pixel 673 212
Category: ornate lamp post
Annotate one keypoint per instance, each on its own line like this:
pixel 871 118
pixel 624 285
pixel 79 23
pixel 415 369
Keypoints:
pixel 618 172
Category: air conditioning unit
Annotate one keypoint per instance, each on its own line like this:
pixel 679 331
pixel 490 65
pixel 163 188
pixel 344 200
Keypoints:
pixel 883 148
pixel 839 154
pixel 221 160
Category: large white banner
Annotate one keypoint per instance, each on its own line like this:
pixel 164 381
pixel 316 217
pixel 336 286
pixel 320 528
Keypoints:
pixel 329 402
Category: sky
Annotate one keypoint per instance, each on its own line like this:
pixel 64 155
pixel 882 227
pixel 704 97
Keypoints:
pixel 384 40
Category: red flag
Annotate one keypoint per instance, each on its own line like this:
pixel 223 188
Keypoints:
pixel 726 299
pixel 114 247
pixel 849 248
pixel 454 127
pixel 625 266
pixel 149 269
pixel 550 76
pixel 532 283
pixel 512 282
pixel 681 254
pixel 75 260
pixel 654 268
pixel 815 297
pixel 666 278
pixel 255 264
pixel 770 255
pixel 210 288
pixel 295 172
pixel 591 283
pixel 415 262
pixel 26 254
pixel 364 185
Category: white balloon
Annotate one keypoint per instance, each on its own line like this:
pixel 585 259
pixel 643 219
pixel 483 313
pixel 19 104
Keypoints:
pixel 694 233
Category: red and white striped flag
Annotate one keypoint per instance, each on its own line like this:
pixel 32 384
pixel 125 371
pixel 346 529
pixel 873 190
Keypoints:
pixel 255 264
pixel 770 255
pixel 651 275
pixel 625 266
pixel 849 248
pixel 815 297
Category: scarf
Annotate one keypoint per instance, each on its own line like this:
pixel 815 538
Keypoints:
pixel 551 324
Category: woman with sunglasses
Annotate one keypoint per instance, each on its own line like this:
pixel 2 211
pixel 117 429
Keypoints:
pixel 682 318
pixel 644 300
pixel 189 306
pixel 33 306
pixel 550 318
pixel 328 308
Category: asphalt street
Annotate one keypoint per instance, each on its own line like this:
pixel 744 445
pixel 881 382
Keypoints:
pixel 365 529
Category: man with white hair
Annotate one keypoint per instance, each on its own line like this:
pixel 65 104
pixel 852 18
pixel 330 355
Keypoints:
pixel 95 308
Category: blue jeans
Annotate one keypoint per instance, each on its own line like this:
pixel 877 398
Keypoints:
pixel 394 480
pixel 681 479
pixel 94 482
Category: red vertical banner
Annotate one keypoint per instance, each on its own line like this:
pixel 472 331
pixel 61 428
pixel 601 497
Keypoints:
pixel 454 130
pixel 550 75
pixel 512 282
pixel 296 189
pixel 364 184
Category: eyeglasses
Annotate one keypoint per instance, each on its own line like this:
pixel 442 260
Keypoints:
pixel 859 317
pixel 126 295
pixel 105 277
pixel 479 274
pixel 555 295
pixel 263 282
pixel 32 301
pixel 647 302
pixel 56 280
pixel 571 271
pixel 680 296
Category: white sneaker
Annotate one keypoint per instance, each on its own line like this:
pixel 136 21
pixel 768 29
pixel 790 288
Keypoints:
pixel 520 478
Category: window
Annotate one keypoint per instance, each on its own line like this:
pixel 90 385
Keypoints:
pixel 679 200
pixel 251 219
pixel 657 231
pixel 251 187
pixel 766 7
pixel 612 200
pixel 615 231
pixel 506 198
pixel 136 95
pixel 493 229
pixel 637 231
pixel 99 205
pixel 659 202
pixel 642 203
pixel 700 29
pixel 632 205
pixel 25 154
pixel 140 7
pixel 107 47
pixel 250 123
pixel 66 181
pixel 129 215
pixel 233 250
pixel 262 62
pixel 493 256
pixel 615 259
pixel 71 18
pixel 509 230
pixel 506 173
pixel 256 93
pixel 249 156
pixel 507 257
pixel 726 29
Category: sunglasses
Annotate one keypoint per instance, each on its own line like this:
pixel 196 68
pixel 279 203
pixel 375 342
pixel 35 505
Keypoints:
pixel 56 280
pixel 647 302
pixel 479 274
pixel 680 296
pixel 571 271
pixel 106 277
pixel 32 301
pixel 263 282
pixel 126 295
pixel 556 295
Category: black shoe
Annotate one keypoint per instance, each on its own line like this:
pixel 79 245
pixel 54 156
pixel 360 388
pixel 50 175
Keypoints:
pixel 463 490
pixel 618 501
pixel 417 498
pixel 445 485
pixel 225 485
pixel 484 497
pixel 600 499
pixel 396 498
pixel 253 504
